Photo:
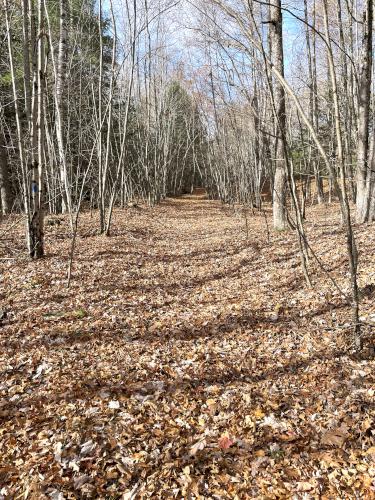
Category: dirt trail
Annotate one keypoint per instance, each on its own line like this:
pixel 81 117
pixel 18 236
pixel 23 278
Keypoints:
pixel 185 360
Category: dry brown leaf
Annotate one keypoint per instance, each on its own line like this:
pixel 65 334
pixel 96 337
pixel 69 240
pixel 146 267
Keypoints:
pixel 336 437
pixel 198 446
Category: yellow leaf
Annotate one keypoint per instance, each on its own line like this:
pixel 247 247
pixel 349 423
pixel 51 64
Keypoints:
pixel 260 453
pixel 258 413
pixel 366 425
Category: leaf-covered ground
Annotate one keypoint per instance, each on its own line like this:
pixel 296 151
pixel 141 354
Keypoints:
pixel 187 360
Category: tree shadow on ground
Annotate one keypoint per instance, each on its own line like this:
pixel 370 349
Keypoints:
pixel 227 325
pixel 149 386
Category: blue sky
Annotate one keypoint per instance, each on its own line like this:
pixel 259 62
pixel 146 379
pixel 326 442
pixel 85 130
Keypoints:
pixel 178 28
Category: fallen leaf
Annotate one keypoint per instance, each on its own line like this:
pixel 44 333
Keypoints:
pixel 44 367
pixel 335 437
pixel 114 405
pixel 225 442
pixel 304 486
pixel 87 447
pixel 198 446
pixel 258 413
pixel 58 450
pixel 56 495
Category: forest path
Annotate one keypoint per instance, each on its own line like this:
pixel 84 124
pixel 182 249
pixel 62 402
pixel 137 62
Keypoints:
pixel 177 332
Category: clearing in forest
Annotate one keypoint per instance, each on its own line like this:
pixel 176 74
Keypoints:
pixel 188 359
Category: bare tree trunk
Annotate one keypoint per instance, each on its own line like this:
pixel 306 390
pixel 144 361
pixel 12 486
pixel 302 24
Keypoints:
pixel 105 169
pixel 60 114
pixel 343 195
pixel 26 59
pixel 114 193
pixel 279 186
pixel 364 93
pixel 5 191
pixel 37 187
pixel 313 101
pixel 100 109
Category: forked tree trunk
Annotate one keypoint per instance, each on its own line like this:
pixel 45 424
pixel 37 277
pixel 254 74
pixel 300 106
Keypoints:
pixel 37 188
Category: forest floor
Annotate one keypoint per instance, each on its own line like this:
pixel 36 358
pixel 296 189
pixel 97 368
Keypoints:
pixel 187 360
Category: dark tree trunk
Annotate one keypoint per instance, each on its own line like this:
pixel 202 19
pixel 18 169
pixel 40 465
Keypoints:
pixel 5 190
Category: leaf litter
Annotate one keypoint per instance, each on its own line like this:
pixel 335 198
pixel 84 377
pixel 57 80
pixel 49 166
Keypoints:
pixel 185 361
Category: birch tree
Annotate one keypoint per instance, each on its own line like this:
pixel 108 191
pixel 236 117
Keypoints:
pixel 36 229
